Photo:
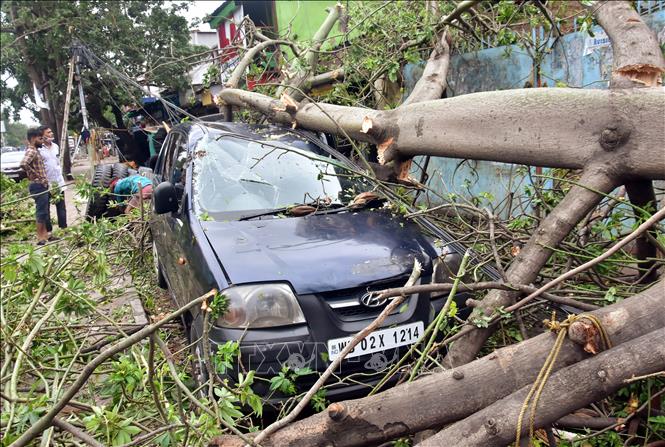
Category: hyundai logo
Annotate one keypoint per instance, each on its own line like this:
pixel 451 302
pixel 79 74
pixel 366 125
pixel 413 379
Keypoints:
pixel 371 299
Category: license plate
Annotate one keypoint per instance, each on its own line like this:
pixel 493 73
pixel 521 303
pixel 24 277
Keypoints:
pixel 377 341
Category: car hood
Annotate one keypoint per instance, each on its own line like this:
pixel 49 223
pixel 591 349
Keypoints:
pixel 319 253
pixel 11 158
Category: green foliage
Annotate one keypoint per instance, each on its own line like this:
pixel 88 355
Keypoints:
pixel 218 306
pixel 225 356
pixel 111 425
pixel 211 75
pixel 319 402
pixel 283 383
pixel 125 378
pixel 148 39
pixel 15 134
pixel 227 408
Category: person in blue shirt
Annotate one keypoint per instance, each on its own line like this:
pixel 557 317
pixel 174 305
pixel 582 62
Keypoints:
pixel 136 186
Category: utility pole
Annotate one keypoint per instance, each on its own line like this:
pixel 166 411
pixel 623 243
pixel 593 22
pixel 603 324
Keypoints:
pixel 65 118
pixel 84 110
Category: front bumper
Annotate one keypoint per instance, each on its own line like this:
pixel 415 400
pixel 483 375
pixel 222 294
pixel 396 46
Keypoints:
pixel 14 173
pixel 268 351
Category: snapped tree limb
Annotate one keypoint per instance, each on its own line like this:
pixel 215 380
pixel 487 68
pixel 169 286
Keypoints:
pixel 311 56
pixel 565 391
pixel 574 127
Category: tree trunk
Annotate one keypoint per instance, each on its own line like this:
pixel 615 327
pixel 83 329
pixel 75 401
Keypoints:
pixel 638 63
pixel 565 391
pixel 575 126
pixel 638 60
pixel 448 396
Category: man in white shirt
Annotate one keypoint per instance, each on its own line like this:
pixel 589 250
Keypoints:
pixel 50 153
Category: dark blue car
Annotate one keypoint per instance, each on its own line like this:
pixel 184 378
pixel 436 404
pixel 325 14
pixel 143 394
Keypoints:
pixel 267 216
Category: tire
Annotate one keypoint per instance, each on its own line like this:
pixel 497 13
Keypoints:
pixel 120 170
pixel 161 281
pixel 98 203
pixel 198 371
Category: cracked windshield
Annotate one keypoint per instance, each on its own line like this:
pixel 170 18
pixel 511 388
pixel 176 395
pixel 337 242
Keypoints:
pixel 233 174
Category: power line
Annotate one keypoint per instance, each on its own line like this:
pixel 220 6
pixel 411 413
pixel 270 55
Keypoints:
pixel 122 76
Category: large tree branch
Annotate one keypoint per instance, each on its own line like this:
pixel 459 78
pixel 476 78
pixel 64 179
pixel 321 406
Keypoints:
pixel 638 60
pixel 432 83
pixel 249 56
pixel 447 396
pixel 570 127
pixel 311 56
pixel 565 391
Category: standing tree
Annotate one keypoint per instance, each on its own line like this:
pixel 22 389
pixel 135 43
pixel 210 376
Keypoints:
pixel 149 40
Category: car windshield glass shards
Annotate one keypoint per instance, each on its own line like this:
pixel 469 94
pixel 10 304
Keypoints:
pixel 233 174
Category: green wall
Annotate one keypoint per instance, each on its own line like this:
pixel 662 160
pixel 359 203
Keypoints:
pixel 304 16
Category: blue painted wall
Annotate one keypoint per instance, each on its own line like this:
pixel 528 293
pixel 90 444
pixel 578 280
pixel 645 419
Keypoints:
pixel 575 60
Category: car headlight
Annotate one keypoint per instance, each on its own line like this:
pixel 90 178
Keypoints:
pixel 260 306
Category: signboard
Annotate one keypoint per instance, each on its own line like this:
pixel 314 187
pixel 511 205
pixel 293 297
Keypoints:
pixel 600 39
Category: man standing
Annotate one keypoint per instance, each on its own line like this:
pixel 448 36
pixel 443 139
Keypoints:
pixel 33 165
pixel 50 153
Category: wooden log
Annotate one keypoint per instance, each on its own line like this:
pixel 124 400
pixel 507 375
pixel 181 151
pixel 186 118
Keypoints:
pixel 565 391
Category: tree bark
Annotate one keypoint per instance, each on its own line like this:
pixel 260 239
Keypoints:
pixel 566 390
pixel 638 60
pixel 448 396
pixel 574 126
pixel 324 78
pixel 638 63
pixel 432 83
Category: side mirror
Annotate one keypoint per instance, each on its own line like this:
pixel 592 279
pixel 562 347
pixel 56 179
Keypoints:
pixel 164 198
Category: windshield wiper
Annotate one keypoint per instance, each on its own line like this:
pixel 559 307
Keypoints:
pixel 302 209
pixel 360 202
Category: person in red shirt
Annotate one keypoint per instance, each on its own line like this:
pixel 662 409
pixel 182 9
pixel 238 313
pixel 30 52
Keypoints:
pixel 34 167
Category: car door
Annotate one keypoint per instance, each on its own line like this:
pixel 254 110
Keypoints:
pixel 160 229
pixel 177 226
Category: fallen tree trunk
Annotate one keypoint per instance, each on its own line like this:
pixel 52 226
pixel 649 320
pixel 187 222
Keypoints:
pixel 567 390
pixel 638 63
pixel 448 396
pixel 574 127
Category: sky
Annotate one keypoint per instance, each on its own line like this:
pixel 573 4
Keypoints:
pixel 197 10
pixel 201 8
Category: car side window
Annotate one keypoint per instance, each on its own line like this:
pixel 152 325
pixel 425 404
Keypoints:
pixel 161 160
pixel 171 146
pixel 177 171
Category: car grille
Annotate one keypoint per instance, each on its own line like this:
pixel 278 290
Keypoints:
pixel 345 304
